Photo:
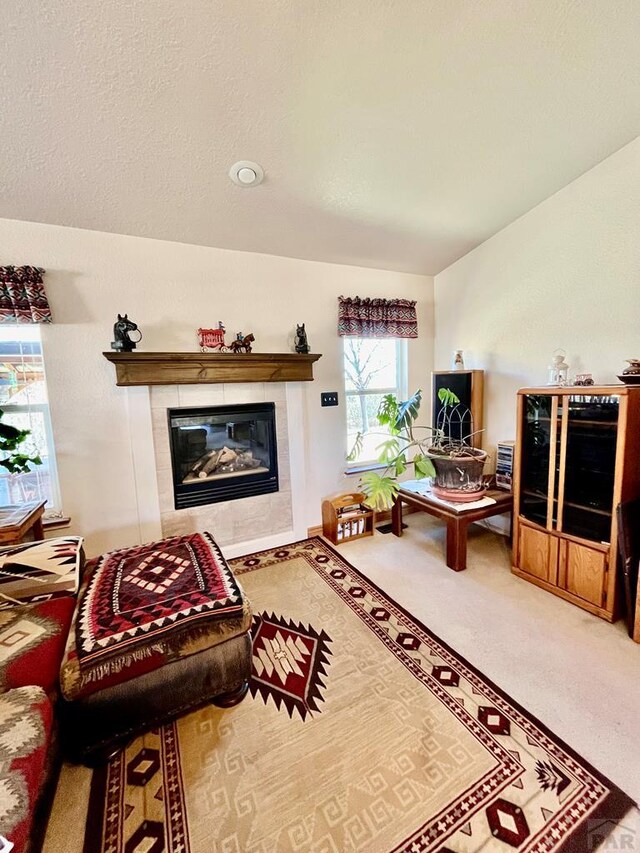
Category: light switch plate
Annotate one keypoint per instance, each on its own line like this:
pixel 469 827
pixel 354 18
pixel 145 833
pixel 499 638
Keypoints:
pixel 328 398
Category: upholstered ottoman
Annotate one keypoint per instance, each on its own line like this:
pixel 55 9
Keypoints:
pixel 158 630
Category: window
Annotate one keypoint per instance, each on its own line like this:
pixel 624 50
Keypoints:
pixel 373 367
pixel 23 398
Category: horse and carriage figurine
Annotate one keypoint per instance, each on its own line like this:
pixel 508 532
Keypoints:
pixel 212 340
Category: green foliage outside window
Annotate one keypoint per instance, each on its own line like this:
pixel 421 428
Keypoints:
pixel 11 439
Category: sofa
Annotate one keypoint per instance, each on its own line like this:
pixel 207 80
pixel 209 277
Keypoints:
pixel 37 585
pixel 32 639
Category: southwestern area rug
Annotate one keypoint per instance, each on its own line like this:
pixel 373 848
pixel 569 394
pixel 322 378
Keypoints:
pixel 362 731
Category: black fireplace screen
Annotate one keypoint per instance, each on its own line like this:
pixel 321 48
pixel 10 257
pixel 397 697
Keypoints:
pixel 220 453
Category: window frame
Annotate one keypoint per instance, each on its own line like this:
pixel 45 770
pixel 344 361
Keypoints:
pixel 400 390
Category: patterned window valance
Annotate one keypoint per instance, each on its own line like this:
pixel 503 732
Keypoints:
pixel 377 318
pixel 22 296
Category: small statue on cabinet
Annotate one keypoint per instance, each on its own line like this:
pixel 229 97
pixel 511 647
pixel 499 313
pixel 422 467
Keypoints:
pixel 302 344
pixel 122 342
pixel 583 379
pixel 558 369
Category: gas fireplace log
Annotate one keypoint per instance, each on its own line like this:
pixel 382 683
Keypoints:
pixel 222 461
pixel 210 465
pixel 217 458
pixel 202 461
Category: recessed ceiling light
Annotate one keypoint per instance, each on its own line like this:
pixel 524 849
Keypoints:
pixel 244 173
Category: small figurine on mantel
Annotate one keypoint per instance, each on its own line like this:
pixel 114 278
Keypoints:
pixel 212 339
pixel 242 343
pixel 122 342
pixel 302 344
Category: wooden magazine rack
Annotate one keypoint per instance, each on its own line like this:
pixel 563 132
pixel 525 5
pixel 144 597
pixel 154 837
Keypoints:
pixel 345 517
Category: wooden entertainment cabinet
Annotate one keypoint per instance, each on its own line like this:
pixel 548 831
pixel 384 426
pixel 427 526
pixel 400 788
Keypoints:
pixel 577 458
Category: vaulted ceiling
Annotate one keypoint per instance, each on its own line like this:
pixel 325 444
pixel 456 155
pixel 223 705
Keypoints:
pixel 393 134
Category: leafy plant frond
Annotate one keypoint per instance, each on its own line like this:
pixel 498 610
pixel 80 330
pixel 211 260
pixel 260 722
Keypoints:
pixel 400 465
pixel 356 450
pixel 447 397
pixel 388 412
pixel 380 490
pixel 423 466
pixel 389 450
pixel 407 411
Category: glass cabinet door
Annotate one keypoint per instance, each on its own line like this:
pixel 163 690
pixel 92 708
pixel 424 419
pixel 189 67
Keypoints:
pixel 539 431
pixel 589 471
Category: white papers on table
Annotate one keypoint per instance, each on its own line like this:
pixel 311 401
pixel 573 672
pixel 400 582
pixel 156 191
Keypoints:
pixel 423 488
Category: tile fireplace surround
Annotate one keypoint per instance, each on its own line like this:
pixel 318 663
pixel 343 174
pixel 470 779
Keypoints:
pixel 240 525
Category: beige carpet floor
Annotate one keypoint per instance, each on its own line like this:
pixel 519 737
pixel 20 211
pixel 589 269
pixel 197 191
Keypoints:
pixel 579 675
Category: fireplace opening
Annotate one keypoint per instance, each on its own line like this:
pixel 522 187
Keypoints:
pixel 221 453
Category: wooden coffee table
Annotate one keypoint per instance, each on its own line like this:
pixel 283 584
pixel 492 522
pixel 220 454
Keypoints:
pixel 457 522
pixel 17 519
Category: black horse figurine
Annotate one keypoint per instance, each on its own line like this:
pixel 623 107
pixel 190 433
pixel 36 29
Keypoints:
pixel 121 329
pixel 302 344
pixel 242 342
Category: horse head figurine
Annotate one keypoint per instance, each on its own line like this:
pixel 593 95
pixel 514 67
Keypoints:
pixel 121 328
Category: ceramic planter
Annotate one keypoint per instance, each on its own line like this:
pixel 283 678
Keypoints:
pixel 458 478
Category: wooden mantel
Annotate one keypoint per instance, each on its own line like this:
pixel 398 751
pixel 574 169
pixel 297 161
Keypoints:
pixel 193 368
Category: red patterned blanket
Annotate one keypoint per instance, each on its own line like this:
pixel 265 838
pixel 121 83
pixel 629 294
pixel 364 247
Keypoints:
pixel 135 596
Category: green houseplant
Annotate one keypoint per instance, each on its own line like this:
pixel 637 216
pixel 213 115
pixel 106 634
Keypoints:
pixel 458 465
pixel 451 461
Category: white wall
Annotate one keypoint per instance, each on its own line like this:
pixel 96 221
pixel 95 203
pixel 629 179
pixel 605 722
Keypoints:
pixel 170 289
pixel 566 274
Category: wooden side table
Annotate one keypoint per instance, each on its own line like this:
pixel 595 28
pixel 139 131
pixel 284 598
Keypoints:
pixel 17 519
pixel 457 522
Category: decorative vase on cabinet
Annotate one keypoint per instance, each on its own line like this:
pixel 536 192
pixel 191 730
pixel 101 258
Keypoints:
pixel 576 460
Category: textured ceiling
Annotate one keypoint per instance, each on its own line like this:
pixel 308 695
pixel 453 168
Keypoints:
pixel 393 134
